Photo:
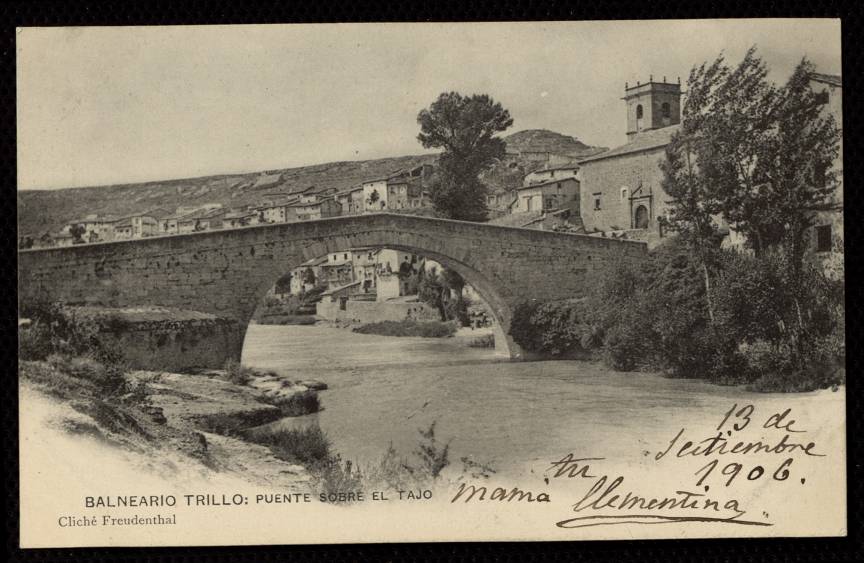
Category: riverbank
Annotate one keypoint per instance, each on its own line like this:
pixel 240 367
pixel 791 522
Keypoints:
pixel 169 422
pixel 286 319
pixel 424 329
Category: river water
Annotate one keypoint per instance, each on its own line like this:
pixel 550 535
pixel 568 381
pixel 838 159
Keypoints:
pixel 517 416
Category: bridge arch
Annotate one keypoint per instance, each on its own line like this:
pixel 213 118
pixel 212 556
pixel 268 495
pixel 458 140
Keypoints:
pixel 226 273
pixel 497 303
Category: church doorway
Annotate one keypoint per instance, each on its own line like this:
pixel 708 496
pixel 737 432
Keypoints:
pixel 641 217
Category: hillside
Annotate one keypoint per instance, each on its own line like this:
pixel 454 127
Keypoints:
pixel 543 140
pixel 48 210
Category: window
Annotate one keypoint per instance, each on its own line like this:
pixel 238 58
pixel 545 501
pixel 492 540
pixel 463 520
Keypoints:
pixel 639 111
pixel 823 238
pixel 596 203
pixel 822 97
pixel 624 192
pixel 665 110
pixel 820 174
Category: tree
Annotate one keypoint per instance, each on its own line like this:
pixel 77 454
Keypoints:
pixel 77 231
pixel 464 127
pixel 283 284
pixel 444 292
pixel 756 153
pixel 308 276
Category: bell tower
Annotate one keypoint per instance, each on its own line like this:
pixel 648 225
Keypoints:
pixel 652 105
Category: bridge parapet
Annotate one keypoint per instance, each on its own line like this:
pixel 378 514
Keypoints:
pixel 227 272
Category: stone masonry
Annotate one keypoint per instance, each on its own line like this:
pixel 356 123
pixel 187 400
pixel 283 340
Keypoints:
pixel 227 273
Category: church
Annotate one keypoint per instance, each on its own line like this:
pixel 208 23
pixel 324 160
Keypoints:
pixel 621 188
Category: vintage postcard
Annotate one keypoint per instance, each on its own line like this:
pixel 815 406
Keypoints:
pixel 285 284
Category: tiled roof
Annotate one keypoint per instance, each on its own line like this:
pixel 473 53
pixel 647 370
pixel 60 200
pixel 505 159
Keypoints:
pixel 644 141
pixel 547 182
pixel 347 191
pixel 571 166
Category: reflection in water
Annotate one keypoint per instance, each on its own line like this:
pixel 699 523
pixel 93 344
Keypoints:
pixel 515 414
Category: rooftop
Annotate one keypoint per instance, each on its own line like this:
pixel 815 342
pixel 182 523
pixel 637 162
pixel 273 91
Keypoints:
pixel 644 141
pixel 546 183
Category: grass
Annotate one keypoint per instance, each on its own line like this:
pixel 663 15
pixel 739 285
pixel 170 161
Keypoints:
pixel 307 446
pixel 811 378
pixel 299 404
pixel 107 378
pixel 485 341
pixel 430 329
pixel 277 319
pixel 237 373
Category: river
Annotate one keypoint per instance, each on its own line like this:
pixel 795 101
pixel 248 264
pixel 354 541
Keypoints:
pixel 516 415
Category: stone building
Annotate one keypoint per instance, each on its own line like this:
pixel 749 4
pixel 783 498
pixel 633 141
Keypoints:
pixel 826 237
pixel 621 188
pixel 312 208
pixel 375 195
pixel 547 196
pixel 351 200
pixel 551 173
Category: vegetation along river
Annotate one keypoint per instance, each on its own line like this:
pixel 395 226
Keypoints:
pixel 516 415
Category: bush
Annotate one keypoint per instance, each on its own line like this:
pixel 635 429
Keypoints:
pixel 433 457
pixel 336 477
pixel 308 446
pixel 237 373
pixel 34 341
pixel 107 378
pixel 555 327
pixel 299 404
pixel 485 341
pixel 428 329
pixel 767 328
pixel 61 330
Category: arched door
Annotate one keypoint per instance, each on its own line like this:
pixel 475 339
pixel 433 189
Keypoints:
pixel 641 217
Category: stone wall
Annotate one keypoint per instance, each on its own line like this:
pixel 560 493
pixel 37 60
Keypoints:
pixel 608 176
pixel 158 338
pixel 227 273
pixel 364 312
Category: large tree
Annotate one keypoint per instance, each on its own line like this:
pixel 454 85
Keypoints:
pixel 755 153
pixel 465 128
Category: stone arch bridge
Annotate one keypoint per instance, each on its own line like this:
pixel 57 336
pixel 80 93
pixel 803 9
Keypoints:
pixel 226 273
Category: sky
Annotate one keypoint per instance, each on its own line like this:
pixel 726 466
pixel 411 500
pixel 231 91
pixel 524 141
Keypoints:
pixel 112 105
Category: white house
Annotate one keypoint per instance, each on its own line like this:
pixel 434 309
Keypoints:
pixel 375 195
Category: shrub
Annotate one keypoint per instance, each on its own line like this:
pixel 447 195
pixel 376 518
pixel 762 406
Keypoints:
pixel 392 471
pixel 485 341
pixel 34 341
pixel 108 378
pixel 433 457
pixel 299 404
pixel 308 446
pixel 237 373
pixel 555 327
pixel 337 477
pixel 428 329
pixel 58 329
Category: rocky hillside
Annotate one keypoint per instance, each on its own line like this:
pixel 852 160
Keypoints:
pixel 48 210
pixel 543 140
